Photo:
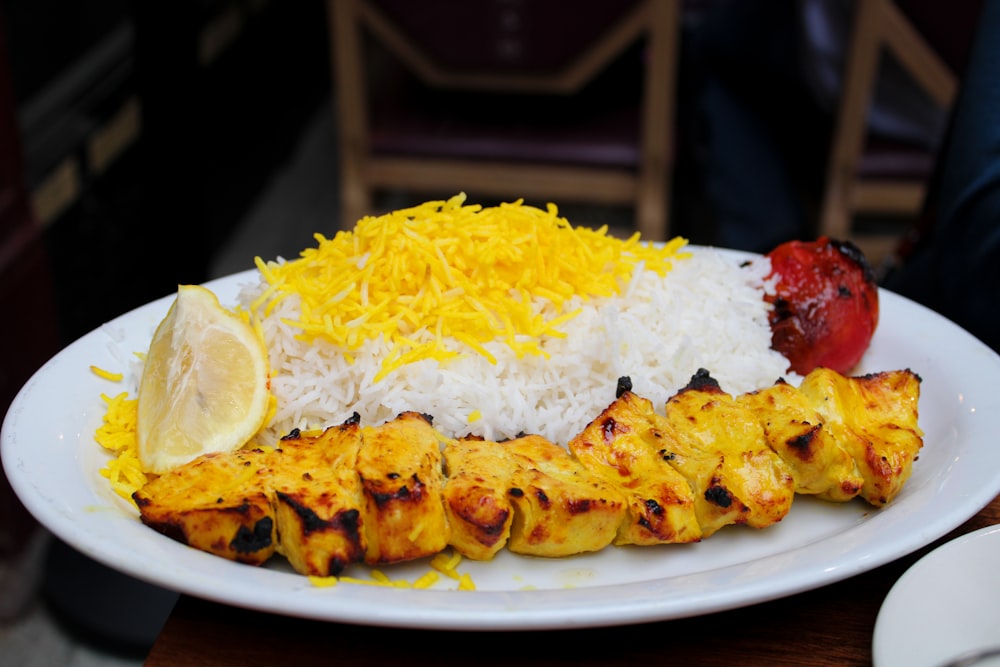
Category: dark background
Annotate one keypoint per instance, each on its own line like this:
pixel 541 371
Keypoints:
pixel 203 100
pixel 223 88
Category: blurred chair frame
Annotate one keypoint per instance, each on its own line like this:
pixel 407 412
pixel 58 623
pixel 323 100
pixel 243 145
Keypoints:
pixel 879 28
pixel 647 187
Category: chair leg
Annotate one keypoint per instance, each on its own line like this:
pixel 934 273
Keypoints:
pixel 655 172
pixel 356 202
pixel 652 211
pixel 835 216
pixel 350 110
pixel 851 123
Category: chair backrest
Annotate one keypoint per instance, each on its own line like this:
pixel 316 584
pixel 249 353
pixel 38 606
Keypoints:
pixel 930 41
pixel 946 26
pixel 508 47
pixel 501 35
pixel 504 46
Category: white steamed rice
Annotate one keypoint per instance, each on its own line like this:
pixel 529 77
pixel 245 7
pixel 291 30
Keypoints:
pixel 708 312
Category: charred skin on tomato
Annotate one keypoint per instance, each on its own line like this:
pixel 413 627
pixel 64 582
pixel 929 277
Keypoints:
pixel 825 304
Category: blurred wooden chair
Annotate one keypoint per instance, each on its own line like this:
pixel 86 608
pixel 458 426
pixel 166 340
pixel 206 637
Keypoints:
pixel 508 99
pixel 869 175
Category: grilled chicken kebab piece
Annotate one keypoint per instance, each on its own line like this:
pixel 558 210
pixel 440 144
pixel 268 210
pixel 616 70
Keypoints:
pixel 710 443
pixel 529 495
pixel 402 491
pixel 347 495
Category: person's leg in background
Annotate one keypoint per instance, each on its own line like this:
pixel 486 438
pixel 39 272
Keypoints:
pixel 761 140
pixel 956 268
pixel 750 194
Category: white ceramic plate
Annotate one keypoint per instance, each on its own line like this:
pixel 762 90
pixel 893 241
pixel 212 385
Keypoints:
pixel 946 605
pixel 53 462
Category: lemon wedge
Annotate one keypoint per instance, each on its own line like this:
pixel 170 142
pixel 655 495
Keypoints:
pixel 204 386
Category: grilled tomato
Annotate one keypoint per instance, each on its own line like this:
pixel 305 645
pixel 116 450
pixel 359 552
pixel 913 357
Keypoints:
pixel 825 304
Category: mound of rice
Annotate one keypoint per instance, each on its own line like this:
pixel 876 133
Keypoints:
pixel 461 312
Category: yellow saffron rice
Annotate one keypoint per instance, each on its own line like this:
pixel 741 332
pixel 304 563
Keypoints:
pixel 450 271
pixel 107 375
pixel 117 434
pixel 445 563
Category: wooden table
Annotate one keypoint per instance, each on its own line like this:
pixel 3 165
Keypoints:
pixel 829 626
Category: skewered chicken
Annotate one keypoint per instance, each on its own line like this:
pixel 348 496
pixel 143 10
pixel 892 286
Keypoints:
pixel 559 507
pixel 820 465
pixel 719 447
pixel 624 446
pixel 529 494
pixel 323 501
pixel 476 496
pixel 401 490
pixel 317 498
pixel 402 480
pixel 875 418
pixel 218 503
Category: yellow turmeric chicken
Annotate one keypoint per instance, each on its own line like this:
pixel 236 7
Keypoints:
pixel 718 445
pixel 316 494
pixel 624 446
pixel 529 494
pixel 794 429
pixel 875 419
pixel 219 503
pixel 402 481
pixel 475 496
pixel 401 490
pixel 560 508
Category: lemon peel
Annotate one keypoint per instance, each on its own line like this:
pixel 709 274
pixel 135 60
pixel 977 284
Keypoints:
pixel 204 385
